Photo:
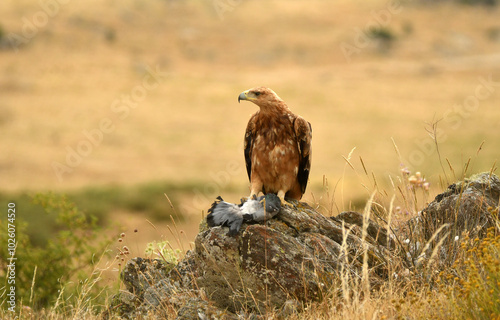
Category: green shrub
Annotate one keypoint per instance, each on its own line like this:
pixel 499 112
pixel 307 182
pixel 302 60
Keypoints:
pixel 383 37
pixel 163 250
pixel 55 271
pixel 382 34
pixel 98 202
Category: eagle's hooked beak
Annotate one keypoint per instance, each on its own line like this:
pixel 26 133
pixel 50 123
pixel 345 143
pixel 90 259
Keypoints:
pixel 244 96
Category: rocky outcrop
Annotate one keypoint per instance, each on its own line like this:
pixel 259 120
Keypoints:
pixel 467 205
pixel 296 257
pixel 159 290
pixel 467 208
pixel 293 258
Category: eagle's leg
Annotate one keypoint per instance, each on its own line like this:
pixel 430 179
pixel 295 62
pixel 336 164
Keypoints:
pixel 253 195
pixel 284 203
pixel 255 188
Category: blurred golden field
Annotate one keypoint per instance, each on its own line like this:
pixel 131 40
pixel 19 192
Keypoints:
pixel 119 93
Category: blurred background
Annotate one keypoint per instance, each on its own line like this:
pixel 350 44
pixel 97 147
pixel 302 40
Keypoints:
pixel 117 103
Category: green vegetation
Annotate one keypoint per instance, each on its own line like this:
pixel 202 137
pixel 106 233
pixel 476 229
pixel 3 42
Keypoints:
pixel 98 202
pixel 382 34
pixel 2 33
pixel 56 273
pixel 148 198
pixel 163 250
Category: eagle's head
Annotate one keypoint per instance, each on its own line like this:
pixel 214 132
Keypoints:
pixel 264 97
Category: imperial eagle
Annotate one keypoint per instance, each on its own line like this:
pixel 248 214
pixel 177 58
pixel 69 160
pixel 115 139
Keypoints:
pixel 277 147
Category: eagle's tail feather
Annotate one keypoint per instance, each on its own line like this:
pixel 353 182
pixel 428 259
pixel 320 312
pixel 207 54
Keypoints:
pixel 210 217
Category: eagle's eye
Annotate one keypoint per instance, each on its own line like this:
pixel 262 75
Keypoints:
pixel 257 93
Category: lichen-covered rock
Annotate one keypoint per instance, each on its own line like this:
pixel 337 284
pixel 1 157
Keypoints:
pixel 140 277
pixel 196 309
pixel 297 255
pixel 139 274
pixel 293 258
pixel 124 304
pixel 156 290
pixel 185 273
pixel 467 207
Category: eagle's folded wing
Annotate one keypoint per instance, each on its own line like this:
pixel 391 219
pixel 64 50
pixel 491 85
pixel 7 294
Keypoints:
pixel 303 132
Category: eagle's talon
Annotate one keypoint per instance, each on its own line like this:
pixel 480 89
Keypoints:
pixel 245 199
pixel 286 204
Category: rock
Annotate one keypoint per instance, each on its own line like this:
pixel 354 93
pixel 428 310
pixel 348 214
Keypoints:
pixel 185 273
pixel 123 303
pixel 139 274
pixel 373 229
pixel 141 277
pixel 467 207
pixel 297 255
pixel 291 259
pixel 159 290
pixel 198 309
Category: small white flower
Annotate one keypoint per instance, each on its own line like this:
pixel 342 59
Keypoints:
pixel 407 241
pixel 456 238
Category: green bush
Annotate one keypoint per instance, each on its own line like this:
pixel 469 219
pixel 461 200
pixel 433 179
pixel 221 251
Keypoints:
pixel 55 271
pixel 382 34
pixel 163 250
pixel 148 199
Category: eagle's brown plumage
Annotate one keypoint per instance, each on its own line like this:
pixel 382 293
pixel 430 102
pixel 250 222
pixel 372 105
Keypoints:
pixel 277 146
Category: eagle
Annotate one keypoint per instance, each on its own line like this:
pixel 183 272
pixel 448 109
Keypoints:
pixel 277 147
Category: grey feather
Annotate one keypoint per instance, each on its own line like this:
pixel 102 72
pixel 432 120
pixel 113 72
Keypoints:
pixel 223 213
